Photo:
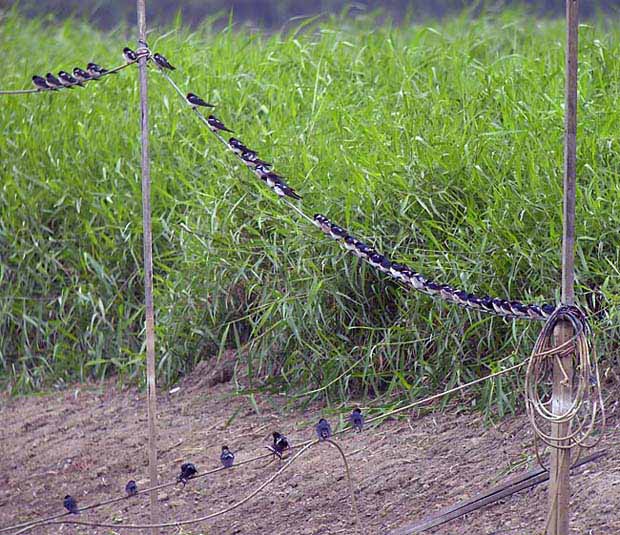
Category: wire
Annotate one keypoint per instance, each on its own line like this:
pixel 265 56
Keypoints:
pixel 181 522
pixel 270 455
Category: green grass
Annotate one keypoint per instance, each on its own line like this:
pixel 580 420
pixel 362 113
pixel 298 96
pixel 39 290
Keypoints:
pixel 442 144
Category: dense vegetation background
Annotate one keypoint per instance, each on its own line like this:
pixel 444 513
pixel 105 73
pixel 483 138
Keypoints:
pixel 441 144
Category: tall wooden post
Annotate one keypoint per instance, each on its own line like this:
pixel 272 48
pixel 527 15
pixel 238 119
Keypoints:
pixel 559 486
pixel 148 268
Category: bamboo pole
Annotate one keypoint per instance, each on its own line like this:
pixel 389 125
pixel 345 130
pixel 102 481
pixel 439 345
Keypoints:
pixel 148 269
pixel 559 487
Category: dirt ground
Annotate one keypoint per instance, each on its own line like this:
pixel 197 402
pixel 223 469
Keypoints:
pixel 89 440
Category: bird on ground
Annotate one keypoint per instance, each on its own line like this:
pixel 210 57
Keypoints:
pixel 131 488
pixel 71 505
pixel 40 83
pixel 81 74
pixel 162 62
pixel 67 80
pixel 357 419
pixel 129 55
pixel 52 80
pixel 280 444
pixel 323 429
pixel 216 125
pixel 227 457
pixel 195 101
pixel 188 470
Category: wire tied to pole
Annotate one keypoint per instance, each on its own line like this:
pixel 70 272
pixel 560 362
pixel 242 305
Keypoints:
pixel 585 412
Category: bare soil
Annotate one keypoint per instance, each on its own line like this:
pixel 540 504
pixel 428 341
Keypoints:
pixel 88 441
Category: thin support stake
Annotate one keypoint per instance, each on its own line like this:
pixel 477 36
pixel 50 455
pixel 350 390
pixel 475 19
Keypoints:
pixel 559 487
pixel 148 270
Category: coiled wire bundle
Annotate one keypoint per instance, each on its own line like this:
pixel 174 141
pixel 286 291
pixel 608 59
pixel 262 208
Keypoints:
pixel 585 410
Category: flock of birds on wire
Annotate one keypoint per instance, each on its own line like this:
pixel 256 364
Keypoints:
pixel 403 275
pixel 278 448
pixel 263 170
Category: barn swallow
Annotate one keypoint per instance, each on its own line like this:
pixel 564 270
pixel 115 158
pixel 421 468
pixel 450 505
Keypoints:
pixel 280 444
pixel 350 243
pixel 376 260
pixel 401 272
pixel 215 124
pixel 227 457
pixel 162 62
pixel 386 265
pixel 518 308
pixel 322 223
pixel 250 159
pixel 52 80
pixel 548 309
pixel 195 100
pixel 446 292
pixel 497 305
pixel 534 312
pixel 131 488
pixel 129 55
pixel 474 301
pixel 95 70
pixel 283 190
pixel 417 281
pixel 81 74
pixel 239 148
pixel 357 419
pixel 362 250
pixel 67 80
pixel 188 470
pixel 40 83
pixel 431 288
pixel 323 429
pixel 337 233
pixel 460 297
pixel 71 505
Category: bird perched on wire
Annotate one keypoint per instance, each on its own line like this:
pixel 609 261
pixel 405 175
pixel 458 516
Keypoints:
pixel 67 80
pixel 131 488
pixel 216 125
pixel 52 80
pixel 239 148
pixel 280 444
pixel 336 232
pixel 129 55
pixel 71 505
pixel 81 74
pixel 188 470
pixel 250 159
pixel 40 83
pixel 275 182
pixel 323 429
pixel 162 62
pixel 357 419
pixel 195 101
pixel 95 70
pixel 227 457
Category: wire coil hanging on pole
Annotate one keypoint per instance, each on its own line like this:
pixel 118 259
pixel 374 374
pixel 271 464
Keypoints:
pixel 586 410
